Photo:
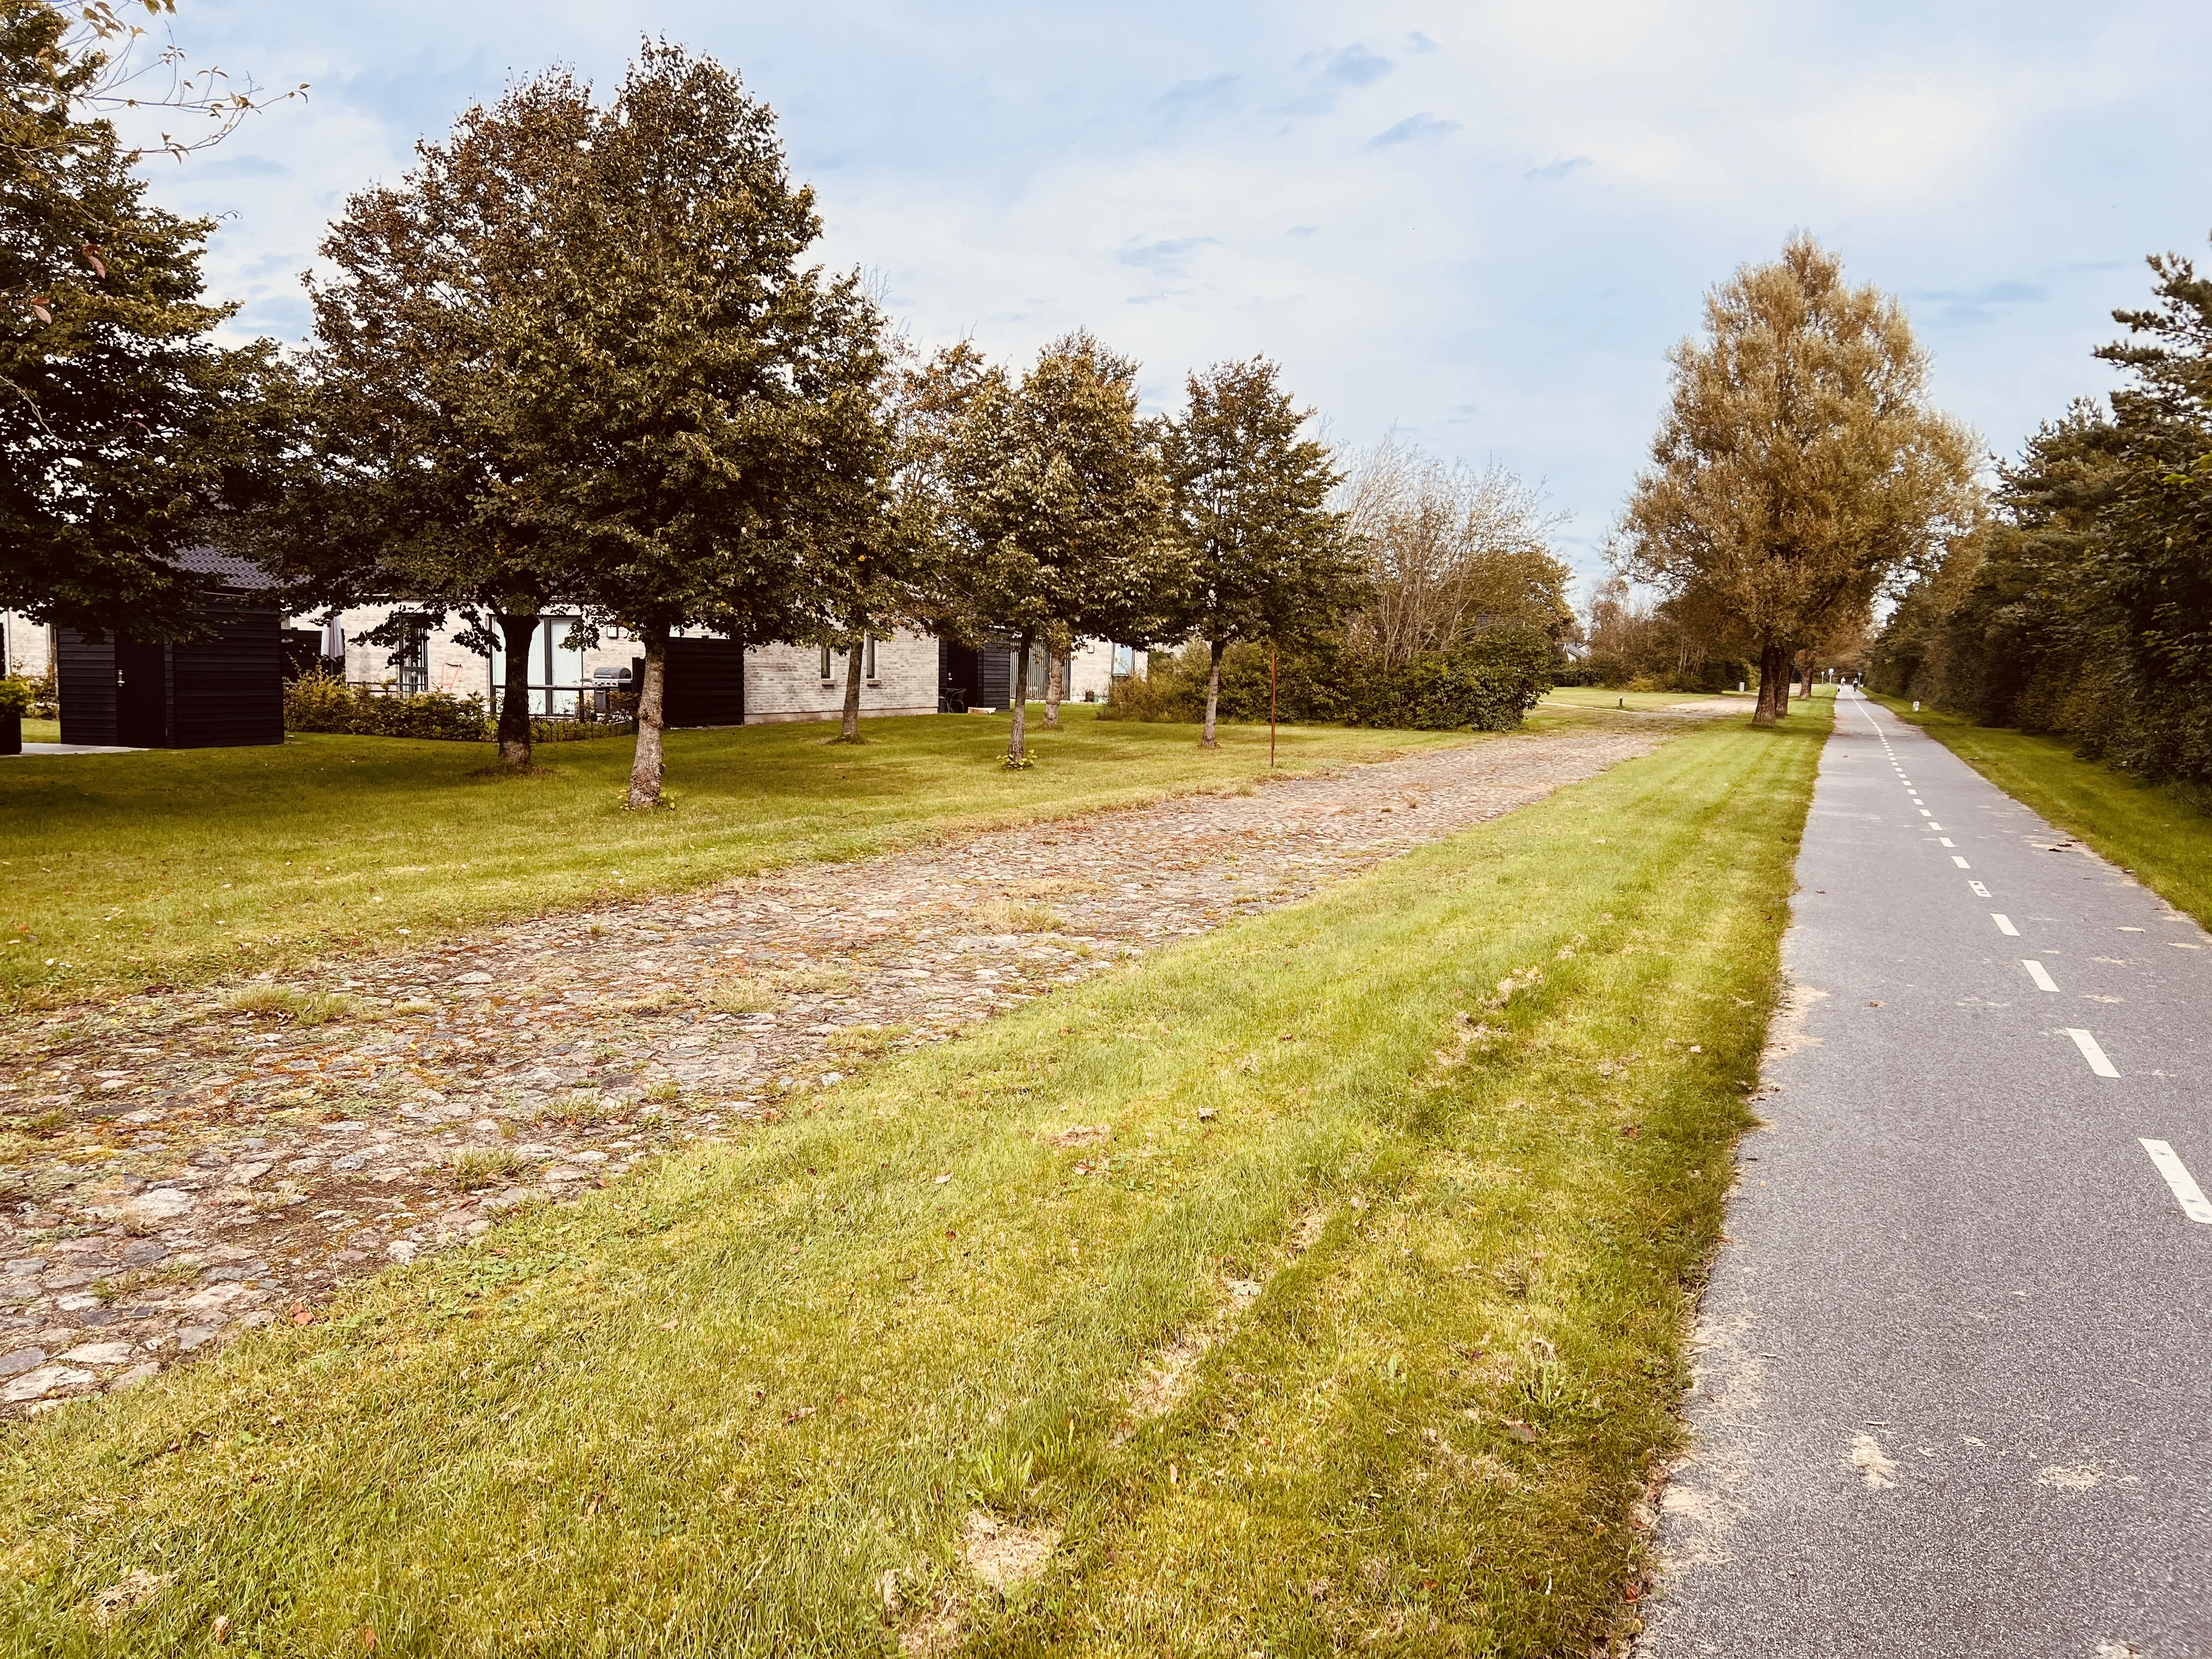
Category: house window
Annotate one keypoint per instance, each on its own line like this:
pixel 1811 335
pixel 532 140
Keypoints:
pixel 561 668
pixel 833 661
pixel 410 658
pixel 1125 661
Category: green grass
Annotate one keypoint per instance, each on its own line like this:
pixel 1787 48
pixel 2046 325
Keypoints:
pixel 1597 696
pixel 1360 1325
pixel 2155 832
pixel 124 870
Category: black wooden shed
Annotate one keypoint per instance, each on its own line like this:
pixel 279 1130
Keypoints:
pixel 224 691
pixel 702 683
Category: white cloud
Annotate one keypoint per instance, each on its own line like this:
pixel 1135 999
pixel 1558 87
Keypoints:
pixel 1204 182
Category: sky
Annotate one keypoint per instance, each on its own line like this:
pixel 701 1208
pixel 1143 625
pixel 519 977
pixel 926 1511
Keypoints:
pixel 1482 225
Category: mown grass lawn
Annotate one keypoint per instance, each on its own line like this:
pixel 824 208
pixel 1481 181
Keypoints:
pixel 119 872
pixel 1309 1287
pixel 2156 832
pixel 1597 696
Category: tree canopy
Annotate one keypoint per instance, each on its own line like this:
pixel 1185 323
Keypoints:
pixel 1264 558
pixel 403 488
pixel 2084 605
pixel 128 430
pixel 1799 467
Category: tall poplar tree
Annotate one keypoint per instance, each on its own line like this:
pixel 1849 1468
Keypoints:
pixel 1800 465
pixel 1265 559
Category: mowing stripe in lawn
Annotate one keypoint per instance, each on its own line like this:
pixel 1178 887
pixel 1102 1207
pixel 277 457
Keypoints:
pixel 1363 1316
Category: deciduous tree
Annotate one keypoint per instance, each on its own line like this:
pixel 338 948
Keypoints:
pixel 1265 559
pixel 1452 552
pixel 1800 465
pixel 128 431
pixel 1056 493
pixel 675 424
pixel 406 489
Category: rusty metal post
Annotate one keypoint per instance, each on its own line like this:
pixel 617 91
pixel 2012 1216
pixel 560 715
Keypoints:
pixel 1271 705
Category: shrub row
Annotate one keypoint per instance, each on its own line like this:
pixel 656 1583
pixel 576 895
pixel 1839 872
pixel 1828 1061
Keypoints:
pixel 1486 685
pixel 318 702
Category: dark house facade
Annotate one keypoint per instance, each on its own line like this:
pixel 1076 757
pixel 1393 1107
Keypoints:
pixel 224 691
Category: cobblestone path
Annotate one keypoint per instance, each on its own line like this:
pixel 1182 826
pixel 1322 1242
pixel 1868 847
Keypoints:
pixel 189 1166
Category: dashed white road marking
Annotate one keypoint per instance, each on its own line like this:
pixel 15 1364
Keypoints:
pixel 2091 1052
pixel 2191 1196
pixel 2043 981
pixel 1943 841
pixel 1961 862
pixel 2004 925
pixel 1980 891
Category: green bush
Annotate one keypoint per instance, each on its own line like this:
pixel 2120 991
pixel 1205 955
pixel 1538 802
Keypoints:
pixel 1487 686
pixel 318 702
pixel 17 695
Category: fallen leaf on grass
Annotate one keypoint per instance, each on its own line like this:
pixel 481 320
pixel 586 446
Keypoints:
pixel 1522 1432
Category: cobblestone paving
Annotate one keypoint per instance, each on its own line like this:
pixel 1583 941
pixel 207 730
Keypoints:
pixel 183 1168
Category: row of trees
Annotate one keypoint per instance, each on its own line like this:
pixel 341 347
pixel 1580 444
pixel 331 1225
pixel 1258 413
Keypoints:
pixel 577 360
pixel 2083 604
pixel 1800 471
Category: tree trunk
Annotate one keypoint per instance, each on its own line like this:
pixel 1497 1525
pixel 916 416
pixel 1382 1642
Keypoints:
pixel 855 661
pixel 514 697
pixel 1271 705
pixel 1807 693
pixel 1773 676
pixel 1056 683
pixel 645 770
pixel 1787 668
pixel 1016 744
pixel 1206 739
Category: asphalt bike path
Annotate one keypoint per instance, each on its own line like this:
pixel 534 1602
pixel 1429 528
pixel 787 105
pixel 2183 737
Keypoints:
pixel 1954 1378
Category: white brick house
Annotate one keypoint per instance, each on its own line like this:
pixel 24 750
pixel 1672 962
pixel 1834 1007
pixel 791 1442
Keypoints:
pixel 27 648
pixel 781 681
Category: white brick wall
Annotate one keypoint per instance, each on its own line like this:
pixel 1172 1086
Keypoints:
pixel 785 683
pixel 24 646
pixel 1089 668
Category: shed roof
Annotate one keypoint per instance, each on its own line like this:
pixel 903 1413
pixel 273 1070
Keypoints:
pixel 234 570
